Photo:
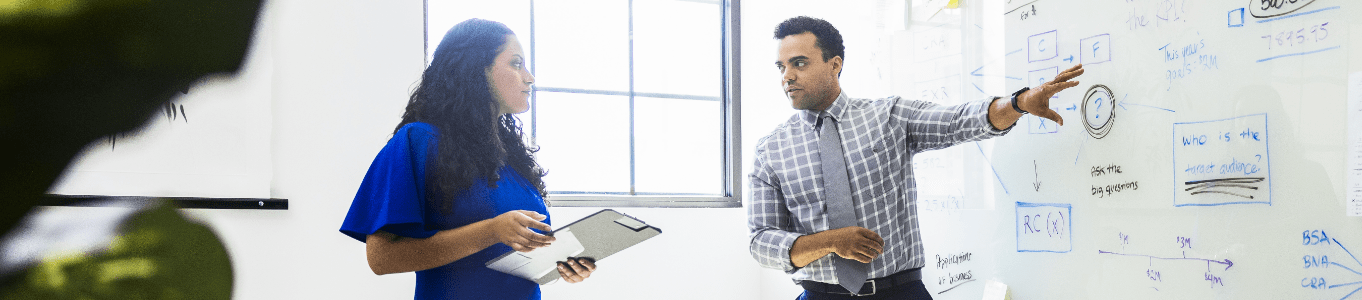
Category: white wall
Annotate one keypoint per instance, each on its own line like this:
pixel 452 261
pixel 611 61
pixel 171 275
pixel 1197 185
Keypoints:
pixel 342 73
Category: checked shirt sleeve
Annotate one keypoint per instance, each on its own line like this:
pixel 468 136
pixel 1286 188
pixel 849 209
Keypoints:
pixel 768 219
pixel 933 126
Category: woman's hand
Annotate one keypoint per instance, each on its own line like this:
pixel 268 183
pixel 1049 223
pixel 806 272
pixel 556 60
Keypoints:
pixel 575 270
pixel 513 229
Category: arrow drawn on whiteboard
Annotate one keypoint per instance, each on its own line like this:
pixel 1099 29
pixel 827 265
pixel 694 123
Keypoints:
pixel 976 73
pixel 1070 59
pixel 1123 105
pixel 1225 262
pixel 990 166
pixel 1037 184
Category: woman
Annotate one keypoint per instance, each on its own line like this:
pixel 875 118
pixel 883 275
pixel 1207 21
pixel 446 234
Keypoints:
pixel 456 186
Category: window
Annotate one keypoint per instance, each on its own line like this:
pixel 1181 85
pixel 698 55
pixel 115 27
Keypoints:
pixel 633 102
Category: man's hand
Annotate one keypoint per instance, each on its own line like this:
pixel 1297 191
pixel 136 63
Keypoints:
pixel 575 270
pixel 513 229
pixel 1037 100
pixel 854 243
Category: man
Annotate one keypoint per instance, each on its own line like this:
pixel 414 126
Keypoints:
pixel 845 224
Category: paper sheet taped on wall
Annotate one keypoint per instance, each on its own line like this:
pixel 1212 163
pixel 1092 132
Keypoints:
pixel 537 263
pixel 994 290
pixel 1354 194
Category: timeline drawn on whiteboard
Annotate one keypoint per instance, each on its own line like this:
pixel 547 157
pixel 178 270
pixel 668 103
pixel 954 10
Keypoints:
pixel 1214 274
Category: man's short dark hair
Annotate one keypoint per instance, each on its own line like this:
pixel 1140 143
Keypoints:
pixel 827 37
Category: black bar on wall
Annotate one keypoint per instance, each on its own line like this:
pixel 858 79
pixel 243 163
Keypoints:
pixel 181 202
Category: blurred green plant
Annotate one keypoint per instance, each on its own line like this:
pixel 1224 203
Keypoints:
pixel 158 254
pixel 77 71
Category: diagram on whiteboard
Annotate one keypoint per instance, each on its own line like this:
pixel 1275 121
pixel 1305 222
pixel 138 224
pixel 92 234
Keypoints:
pixel 1205 137
pixel 1331 268
pixel 1099 110
pixel 1222 162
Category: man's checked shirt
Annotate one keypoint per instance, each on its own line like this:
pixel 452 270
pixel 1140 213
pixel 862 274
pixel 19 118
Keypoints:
pixel 879 138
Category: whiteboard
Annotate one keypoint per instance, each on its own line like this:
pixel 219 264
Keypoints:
pixel 212 141
pixel 1202 157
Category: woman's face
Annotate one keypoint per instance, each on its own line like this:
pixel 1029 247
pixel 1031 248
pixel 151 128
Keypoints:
pixel 511 82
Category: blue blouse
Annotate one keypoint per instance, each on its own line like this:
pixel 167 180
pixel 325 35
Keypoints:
pixel 392 199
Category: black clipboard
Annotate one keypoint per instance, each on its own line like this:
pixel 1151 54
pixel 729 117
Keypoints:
pixel 602 234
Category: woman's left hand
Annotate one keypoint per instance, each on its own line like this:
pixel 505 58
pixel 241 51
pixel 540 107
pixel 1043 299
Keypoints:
pixel 575 270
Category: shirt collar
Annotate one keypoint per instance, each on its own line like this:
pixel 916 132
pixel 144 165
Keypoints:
pixel 837 110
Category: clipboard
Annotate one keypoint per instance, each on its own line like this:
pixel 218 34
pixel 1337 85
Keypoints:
pixel 599 235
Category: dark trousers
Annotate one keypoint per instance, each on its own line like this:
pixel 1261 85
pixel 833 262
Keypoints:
pixel 911 291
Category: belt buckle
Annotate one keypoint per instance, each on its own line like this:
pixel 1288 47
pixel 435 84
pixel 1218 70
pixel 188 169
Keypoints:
pixel 873 289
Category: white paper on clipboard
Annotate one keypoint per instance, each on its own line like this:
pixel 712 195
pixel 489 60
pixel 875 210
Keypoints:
pixel 539 262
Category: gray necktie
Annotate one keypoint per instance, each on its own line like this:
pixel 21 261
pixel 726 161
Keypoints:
pixel 851 274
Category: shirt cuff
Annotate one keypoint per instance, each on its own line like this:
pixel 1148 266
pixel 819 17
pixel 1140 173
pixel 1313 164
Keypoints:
pixel 989 124
pixel 777 245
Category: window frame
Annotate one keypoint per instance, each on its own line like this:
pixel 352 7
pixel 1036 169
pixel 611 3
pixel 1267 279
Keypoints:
pixel 731 140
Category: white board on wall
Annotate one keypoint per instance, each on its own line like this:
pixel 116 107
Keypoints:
pixel 212 141
pixel 1202 156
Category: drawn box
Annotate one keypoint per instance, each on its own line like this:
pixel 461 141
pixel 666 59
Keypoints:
pixel 1236 18
pixel 1038 125
pixel 1095 49
pixel 1038 77
pixel 1042 46
pixel 1222 162
pixel 1044 227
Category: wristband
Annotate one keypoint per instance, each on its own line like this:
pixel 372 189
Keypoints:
pixel 1014 100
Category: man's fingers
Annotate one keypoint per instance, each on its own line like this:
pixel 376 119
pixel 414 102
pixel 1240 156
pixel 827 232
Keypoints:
pixel 1052 115
pixel 871 251
pixel 1066 85
pixel 1069 73
pixel 1075 67
pixel 1048 90
pixel 863 257
pixel 870 234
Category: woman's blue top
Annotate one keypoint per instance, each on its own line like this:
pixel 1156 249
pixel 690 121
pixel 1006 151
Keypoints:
pixel 392 199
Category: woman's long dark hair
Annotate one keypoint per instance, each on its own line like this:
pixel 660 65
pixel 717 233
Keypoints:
pixel 454 96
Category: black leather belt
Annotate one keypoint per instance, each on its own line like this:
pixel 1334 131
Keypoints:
pixel 871 286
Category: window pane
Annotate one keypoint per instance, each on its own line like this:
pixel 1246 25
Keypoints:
pixel 582 44
pixel 584 142
pixel 678 146
pixel 441 15
pixel 677 47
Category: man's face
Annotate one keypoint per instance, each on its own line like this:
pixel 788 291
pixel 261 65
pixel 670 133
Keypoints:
pixel 809 82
